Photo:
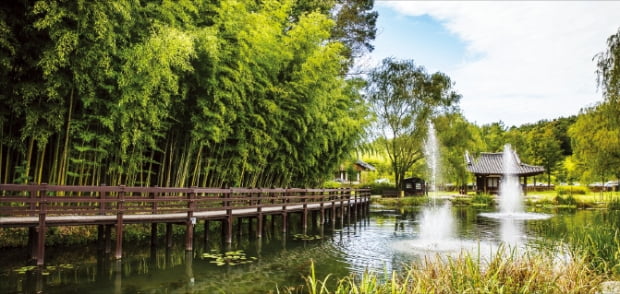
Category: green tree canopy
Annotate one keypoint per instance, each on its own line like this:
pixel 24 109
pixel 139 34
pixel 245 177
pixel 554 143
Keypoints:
pixel 404 97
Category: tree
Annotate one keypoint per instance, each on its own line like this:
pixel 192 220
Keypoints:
pixel 404 98
pixel 608 72
pixel 596 146
pixel 494 136
pixel 545 149
pixel 457 136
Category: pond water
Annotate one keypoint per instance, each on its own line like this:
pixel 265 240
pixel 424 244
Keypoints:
pixel 380 243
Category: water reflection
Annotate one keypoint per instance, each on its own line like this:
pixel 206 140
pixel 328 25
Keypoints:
pixel 379 244
pixel 511 232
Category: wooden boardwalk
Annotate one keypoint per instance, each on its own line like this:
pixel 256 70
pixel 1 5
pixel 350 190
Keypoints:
pixel 40 206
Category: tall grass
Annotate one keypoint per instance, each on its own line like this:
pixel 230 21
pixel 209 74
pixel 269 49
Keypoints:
pixel 505 272
pixel 599 246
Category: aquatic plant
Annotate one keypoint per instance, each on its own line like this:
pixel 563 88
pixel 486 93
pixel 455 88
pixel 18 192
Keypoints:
pixel 228 258
pixel 305 237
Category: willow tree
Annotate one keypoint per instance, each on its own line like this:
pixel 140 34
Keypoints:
pixel 404 97
pixel 608 71
pixel 596 146
pixel 457 136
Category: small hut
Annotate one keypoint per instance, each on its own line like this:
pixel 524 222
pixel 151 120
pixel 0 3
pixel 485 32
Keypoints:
pixel 489 170
pixel 414 186
pixel 358 166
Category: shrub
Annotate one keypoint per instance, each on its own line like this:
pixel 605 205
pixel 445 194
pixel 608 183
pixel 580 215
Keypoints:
pixel 482 200
pixel 377 188
pixel 568 190
pixel 331 185
pixel 614 204
pixel 568 200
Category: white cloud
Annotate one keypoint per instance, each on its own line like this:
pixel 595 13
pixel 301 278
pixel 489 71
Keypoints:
pixel 527 60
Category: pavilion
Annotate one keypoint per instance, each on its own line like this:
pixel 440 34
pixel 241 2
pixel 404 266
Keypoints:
pixel 489 170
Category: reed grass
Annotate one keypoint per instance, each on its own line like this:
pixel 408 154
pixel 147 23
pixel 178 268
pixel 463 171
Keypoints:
pixel 505 272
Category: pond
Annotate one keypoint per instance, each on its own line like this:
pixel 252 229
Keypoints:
pixel 383 242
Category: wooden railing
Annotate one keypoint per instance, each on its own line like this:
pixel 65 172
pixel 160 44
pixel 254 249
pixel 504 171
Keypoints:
pixel 52 200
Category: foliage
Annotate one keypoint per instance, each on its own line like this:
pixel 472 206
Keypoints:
pixel 570 190
pixel 510 272
pixel 457 136
pixel 404 98
pixel 608 70
pixel 402 202
pixel 331 185
pixel 600 247
pixel 378 188
pixel 614 204
pixel 566 201
pixel 483 200
pixel 596 146
pixel 230 258
pixel 209 93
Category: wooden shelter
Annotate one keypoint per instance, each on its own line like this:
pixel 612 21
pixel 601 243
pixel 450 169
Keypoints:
pixel 414 186
pixel 359 166
pixel 489 171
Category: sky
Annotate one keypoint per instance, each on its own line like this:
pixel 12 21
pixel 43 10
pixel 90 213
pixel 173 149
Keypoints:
pixel 512 61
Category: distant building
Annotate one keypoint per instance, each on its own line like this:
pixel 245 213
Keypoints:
pixel 414 186
pixel 489 171
pixel 359 166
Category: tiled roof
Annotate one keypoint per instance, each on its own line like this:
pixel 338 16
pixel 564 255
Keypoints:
pixel 364 165
pixel 492 164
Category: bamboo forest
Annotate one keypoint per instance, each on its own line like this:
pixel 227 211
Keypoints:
pixel 180 93
pixel 248 94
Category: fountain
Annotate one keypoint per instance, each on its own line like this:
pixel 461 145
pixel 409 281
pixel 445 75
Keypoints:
pixel 510 195
pixel 436 221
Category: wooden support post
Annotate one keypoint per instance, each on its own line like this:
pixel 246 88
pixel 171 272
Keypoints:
pixel 349 209
pixel 168 235
pixel 259 216
pixel 332 215
pixel 32 242
pixel 108 239
pixel 341 195
pixel 314 217
pixel 356 207
pixel 206 231
pixel 239 226
pixel 229 218
pixel 100 238
pixel 190 221
pixel 153 234
pixel 42 226
pixel 322 209
pixel 284 216
pixel 119 223
pixel 153 196
pixel 259 225
pixel 304 217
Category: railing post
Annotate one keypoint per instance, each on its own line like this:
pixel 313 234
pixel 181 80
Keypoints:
pixel 41 234
pixel 322 199
pixel 119 222
pixel 259 215
pixel 341 196
pixel 229 217
pixel 191 221
pixel 284 216
pixel 349 206
pixel 305 211
pixel 153 196
pixel 32 210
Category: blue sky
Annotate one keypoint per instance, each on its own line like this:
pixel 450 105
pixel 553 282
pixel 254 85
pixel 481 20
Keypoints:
pixel 515 62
